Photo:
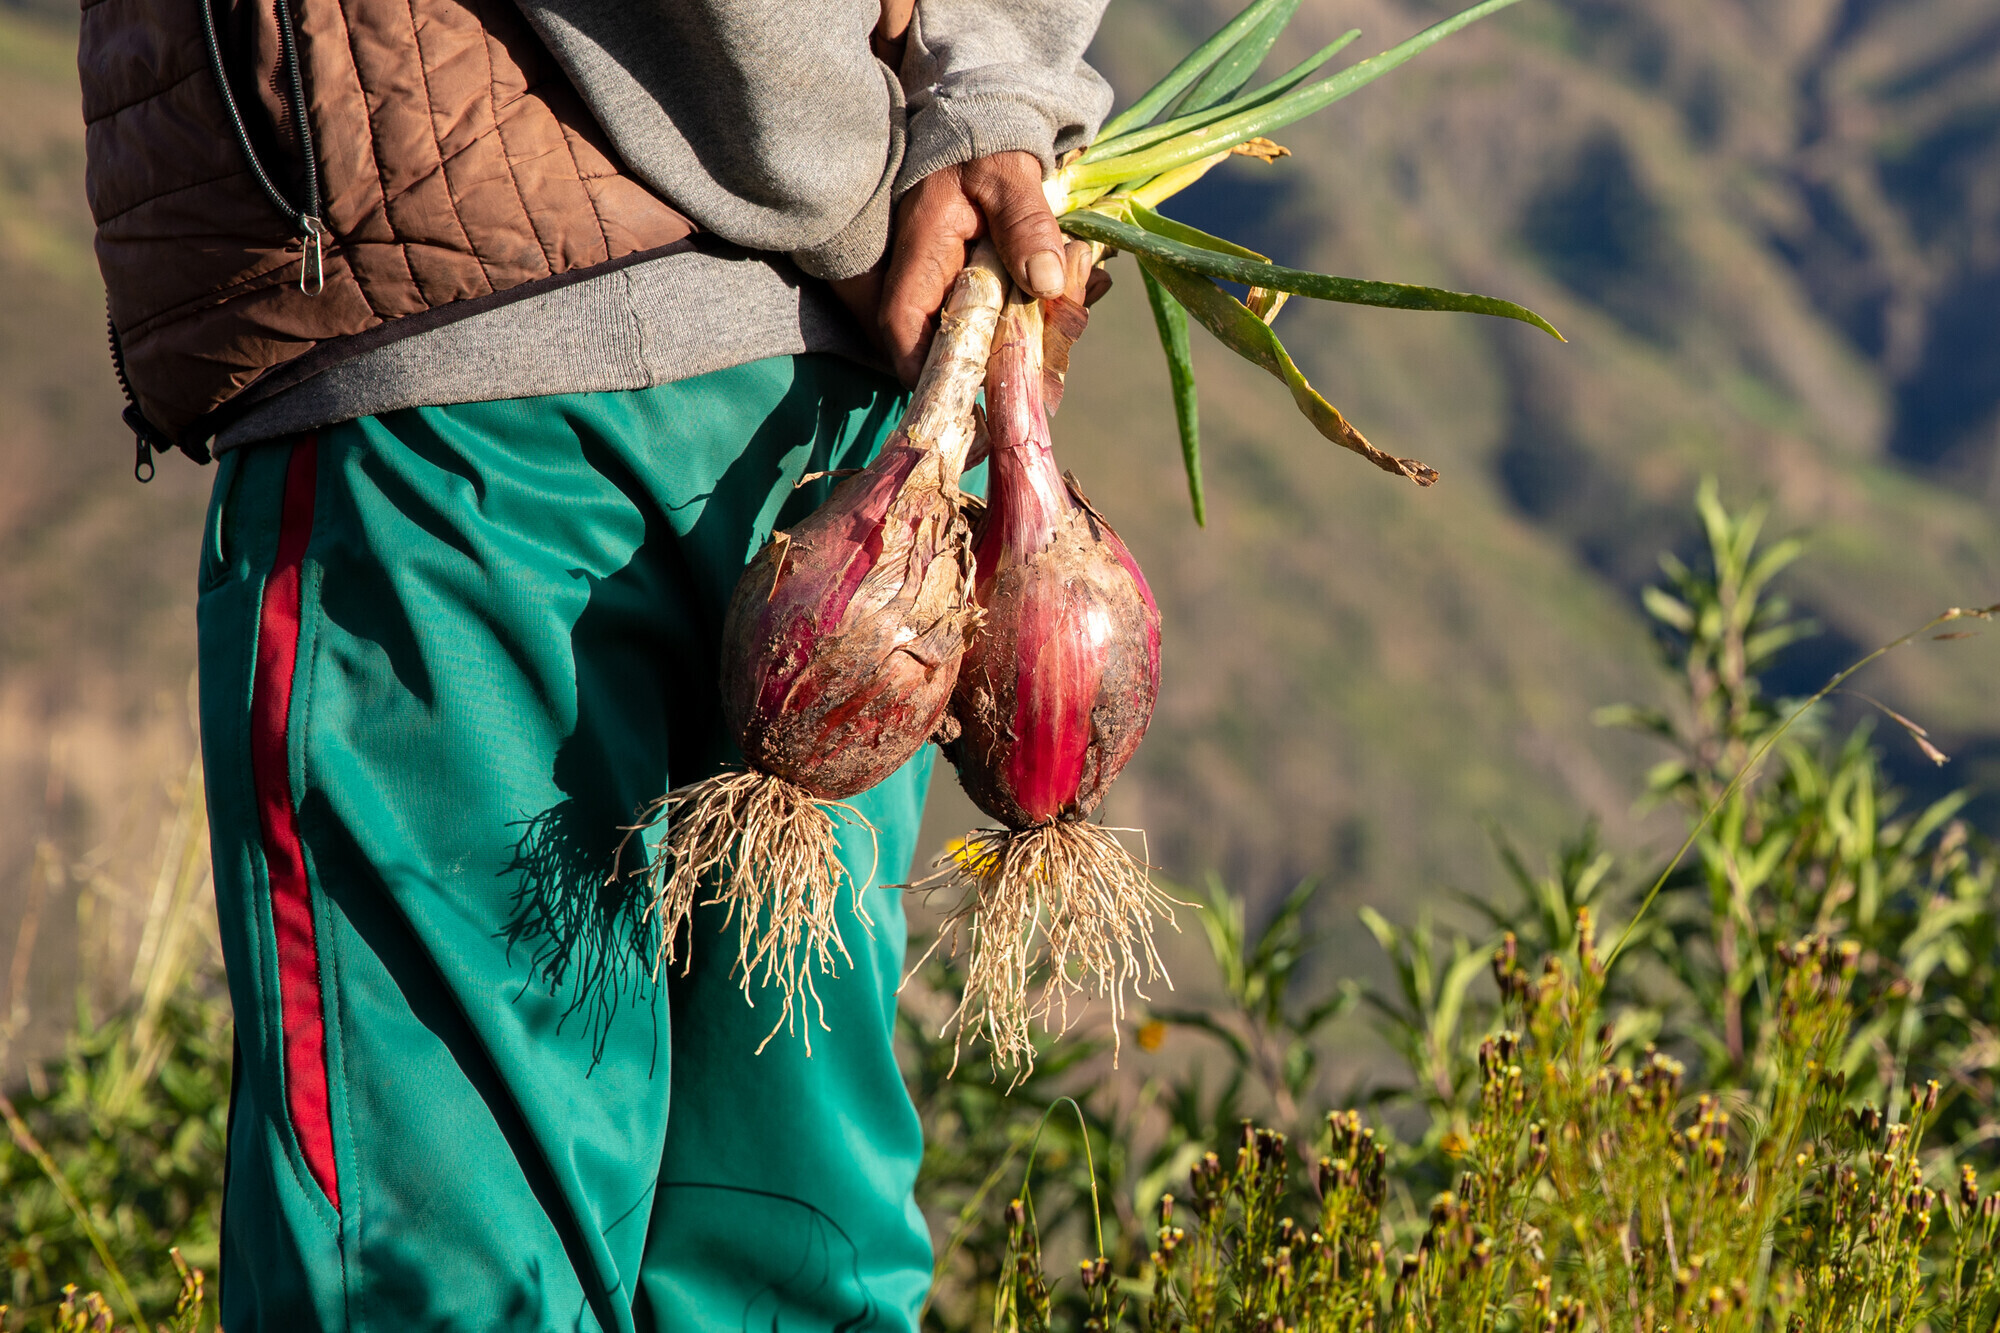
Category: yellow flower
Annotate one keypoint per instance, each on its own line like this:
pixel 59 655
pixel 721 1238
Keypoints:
pixel 1151 1033
pixel 974 862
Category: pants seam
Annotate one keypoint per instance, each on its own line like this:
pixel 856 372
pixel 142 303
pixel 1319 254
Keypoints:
pixel 297 1161
pixel 332 994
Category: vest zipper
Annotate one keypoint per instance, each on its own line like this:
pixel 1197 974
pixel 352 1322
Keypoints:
pixel 146 437
pixel 304 215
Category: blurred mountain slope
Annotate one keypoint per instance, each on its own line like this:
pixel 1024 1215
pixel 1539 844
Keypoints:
pixel 96 574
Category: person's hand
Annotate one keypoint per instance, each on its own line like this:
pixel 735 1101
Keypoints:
pixel 1000 196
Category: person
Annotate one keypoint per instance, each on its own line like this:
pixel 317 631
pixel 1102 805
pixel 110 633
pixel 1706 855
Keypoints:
pixel 514 330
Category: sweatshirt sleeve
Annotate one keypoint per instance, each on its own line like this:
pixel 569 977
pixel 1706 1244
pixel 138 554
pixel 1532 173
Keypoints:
pixel 769 123
pixel 991 76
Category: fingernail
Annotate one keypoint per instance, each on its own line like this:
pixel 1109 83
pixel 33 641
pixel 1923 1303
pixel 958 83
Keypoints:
pixel 1045 273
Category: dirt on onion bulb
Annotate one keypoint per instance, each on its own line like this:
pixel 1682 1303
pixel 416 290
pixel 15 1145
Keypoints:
pixel 840 649
pixel 1052 699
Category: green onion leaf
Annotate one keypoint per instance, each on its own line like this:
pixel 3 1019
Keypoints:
pixel 1228 75
pixel 1174 230
pixel 1193 65
pixel 1272 115
pixel 1132 141
pixel 1252 339
pixel 1171 319
pixel 1206 256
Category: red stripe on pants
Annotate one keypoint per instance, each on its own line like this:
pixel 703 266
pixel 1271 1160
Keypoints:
pixel 301 1008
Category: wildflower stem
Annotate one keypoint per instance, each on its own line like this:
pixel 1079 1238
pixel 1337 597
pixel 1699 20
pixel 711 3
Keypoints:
pixel 32 1146
pixel 1750 765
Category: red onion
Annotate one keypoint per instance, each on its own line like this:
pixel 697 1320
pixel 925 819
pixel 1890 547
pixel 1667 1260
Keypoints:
pixel 843 637
pixel 840 649
pixel 1058 686
pixel 1052 699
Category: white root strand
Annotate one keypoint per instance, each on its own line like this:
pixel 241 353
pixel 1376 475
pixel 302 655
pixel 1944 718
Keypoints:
pixel 1050 914
pixel 770 850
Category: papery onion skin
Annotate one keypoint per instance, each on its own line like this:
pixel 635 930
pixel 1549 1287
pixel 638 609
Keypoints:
pixel 844 634
pixel 1058 687
pixel 843 638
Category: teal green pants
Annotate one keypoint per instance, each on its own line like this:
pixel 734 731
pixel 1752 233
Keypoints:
pixel 446 653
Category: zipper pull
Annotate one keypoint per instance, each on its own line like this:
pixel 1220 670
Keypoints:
pixel 142 465
pixel 146 440
pixel 313 261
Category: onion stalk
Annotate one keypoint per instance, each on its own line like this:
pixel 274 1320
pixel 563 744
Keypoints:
pixel 1188 123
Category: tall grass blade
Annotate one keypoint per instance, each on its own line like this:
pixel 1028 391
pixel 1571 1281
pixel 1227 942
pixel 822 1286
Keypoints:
pixel 1133 140
pixel 1239 329
pixel 25 1139
pixel 1274 115
pixel 1226 77
pixel 1090 1161
pixel 1171 320
pixel 1193 65
pixel 1212 256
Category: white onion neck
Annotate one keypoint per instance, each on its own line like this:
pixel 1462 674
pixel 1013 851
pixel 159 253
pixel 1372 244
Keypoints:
pixel 940 413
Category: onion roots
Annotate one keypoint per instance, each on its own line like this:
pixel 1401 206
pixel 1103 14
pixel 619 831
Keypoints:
pixel 770 850
pixel 1059 912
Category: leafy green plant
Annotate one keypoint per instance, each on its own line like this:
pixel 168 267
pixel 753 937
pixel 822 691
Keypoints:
pixel 1265 1032
pixel 1791 834
pixel 1813 842
pixel 111 1168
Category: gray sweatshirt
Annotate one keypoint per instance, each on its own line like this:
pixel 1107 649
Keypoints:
pixel 773 127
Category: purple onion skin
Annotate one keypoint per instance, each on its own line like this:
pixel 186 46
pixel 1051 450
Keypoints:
pixel 1058 687
pixel 843 639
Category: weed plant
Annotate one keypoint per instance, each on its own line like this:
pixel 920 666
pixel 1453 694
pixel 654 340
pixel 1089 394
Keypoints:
pixel 1588 1194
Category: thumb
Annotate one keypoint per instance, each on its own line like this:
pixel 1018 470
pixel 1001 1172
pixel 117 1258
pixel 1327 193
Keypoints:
pixel 1007 189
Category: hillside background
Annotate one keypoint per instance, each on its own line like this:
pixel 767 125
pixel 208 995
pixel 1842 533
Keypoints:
pixel 1770 229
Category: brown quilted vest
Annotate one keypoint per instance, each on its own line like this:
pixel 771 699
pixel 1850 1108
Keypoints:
pixel 456 167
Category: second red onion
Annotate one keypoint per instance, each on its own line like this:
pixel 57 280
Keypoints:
pixel 1052 699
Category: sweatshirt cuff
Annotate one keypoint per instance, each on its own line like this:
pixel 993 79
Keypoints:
pixel 855 248
pixel 951 131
